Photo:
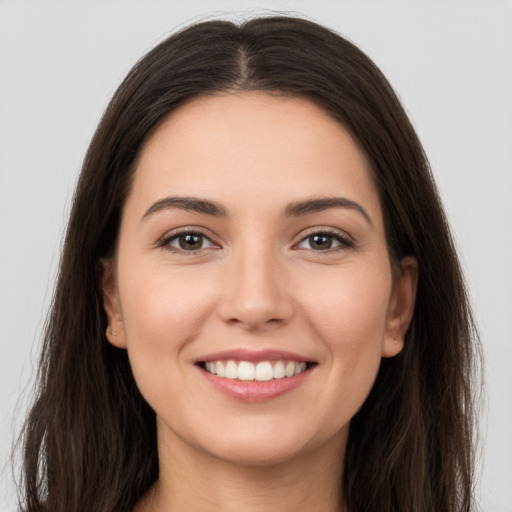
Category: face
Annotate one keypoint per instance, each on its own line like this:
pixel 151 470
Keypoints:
pixel 252 286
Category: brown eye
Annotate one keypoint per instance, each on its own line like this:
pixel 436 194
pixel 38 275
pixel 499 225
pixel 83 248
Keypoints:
pixel 188 242
pixel 324 241
pixel 320 242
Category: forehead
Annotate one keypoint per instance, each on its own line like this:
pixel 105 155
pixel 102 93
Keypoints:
pixel 252 146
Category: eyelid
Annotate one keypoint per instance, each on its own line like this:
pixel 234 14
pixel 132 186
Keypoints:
pixel 164 241
pixel 345 240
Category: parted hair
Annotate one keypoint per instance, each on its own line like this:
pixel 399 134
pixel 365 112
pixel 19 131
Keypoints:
pixel 89 443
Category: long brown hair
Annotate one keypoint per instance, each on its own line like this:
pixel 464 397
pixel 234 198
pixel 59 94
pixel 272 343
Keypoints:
pixel 90 439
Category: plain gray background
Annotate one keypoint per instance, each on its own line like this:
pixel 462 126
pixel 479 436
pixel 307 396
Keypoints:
pixel 450 61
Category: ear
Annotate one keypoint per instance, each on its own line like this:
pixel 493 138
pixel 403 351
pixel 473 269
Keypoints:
pixel 115 329
pixel 401 307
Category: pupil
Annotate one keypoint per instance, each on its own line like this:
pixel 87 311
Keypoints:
pixel 190 241
pixel 321 242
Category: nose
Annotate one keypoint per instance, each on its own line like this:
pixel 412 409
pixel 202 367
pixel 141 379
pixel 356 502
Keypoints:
pixel 256 294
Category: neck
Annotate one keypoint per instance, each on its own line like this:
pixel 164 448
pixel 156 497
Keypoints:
pixel 190 480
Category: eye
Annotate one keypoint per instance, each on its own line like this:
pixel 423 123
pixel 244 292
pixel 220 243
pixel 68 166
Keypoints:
pixel 187 241
pixel 325 241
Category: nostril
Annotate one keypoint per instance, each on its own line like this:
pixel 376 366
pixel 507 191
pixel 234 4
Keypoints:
pixel 254 320
pixel 254 301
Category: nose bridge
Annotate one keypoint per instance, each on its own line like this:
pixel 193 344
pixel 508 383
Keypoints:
pixel 254 293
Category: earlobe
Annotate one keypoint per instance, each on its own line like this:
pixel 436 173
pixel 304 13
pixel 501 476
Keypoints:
pixel 115 329
pixel 401 307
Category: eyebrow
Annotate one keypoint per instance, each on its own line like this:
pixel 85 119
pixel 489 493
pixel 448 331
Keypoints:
pixel 300 208
pixel 295 209
pixel 191 204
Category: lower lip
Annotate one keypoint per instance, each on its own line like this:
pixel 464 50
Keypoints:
pixel 256 391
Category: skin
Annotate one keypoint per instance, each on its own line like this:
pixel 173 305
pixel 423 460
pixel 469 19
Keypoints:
pixel 258 282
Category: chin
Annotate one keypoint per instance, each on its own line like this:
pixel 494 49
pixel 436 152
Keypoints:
pixel 262 447
pixel 254 454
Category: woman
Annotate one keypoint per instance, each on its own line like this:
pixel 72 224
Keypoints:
pixel 259 305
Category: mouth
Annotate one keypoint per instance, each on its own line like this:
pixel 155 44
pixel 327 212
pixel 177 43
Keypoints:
pixel 262 371
pixel 255 376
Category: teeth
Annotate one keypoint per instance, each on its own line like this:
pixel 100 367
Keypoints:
pixel 289 371
pixel 231 370
pixel 300 368
pixel 245 371
pixel 262 371
pixel 221 372
pixel 278 370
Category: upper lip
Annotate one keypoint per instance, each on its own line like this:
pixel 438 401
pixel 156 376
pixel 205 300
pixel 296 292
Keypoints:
pixel 242 354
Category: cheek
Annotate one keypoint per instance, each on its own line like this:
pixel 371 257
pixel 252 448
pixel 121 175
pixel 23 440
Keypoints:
pixel 349 307
pixel 163 304
pixel 162 311
pixel 348 319
pixel 348 316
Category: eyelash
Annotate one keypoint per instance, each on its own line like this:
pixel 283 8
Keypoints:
pixel 166 241
pixel 344 241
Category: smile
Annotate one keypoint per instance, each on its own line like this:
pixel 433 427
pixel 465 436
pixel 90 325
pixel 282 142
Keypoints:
pixel 255 376
pixel 262 371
